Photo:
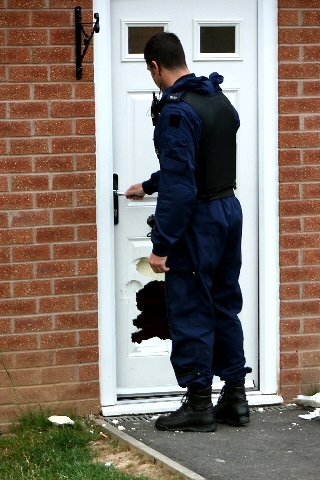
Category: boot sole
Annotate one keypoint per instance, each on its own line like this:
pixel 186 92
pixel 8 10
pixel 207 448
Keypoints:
pixel 236 422
pixel 195 428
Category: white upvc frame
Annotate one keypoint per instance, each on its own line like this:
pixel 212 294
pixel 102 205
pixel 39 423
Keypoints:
pixel 268 201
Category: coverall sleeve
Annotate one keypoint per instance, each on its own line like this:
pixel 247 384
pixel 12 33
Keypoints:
pixel 177 137
pixel 152 185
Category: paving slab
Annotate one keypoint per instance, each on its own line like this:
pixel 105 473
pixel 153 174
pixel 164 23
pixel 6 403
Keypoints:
pixel 276 445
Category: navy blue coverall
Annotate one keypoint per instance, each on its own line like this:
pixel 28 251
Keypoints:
pixel 202 241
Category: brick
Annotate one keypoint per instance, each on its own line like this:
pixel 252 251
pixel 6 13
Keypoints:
pixel 14 55
pixel 15 92
pixel 58 340
pixel 28 73
pixel 79 390
pixel 73 145
pixel 54 163
pixel 310 376
pixel 5 326
pixel 312 122
pixel 64 374
pixel 311 17
pixel 300 342
pixel 85 127
pixel 300 207
pixel 311 53
pixel 84 108
pixel 53 91
pixel 15 165
pixel 88 302
pixel 32 146
pixel 84 90
pixel 34 359
pixel 32 324
pixel 302 174
pixel 86 162
pixel 4 221
pixel 289 392
pixel 5 290
pixel 79 355
pixel 290 157
pixel 42 394
pixel 311 325
pixel 31 253
pixel 54 199
pixel 27 4
pixel 88 372
pixel 74 215
pixel 56 304
pixel 27 218
pixel 59 73
pixel 289 191
pixel 15 129
pixel 75 250
pixel 311 87
pixel 4 254
pixel 62 36
pixel 299 105
pixel 15 236
pixel 15 272
pixel 290 376
pixel 53 127
pixel 290 326
pixel 4 184
pixel 88 337
pixel 288 53
pixel 23 36
pixel 23 341
pixel 299 71
pixel 311 190
pixel 298 308
pixel 300 139
pixel 85 198
pixel 300 274
pixel 288 17
pixel 87 267
pixel 52 55
pixel 77 321
pixel 75 285
pixel 299 35
pixel 29 110
pixel 289 291
pixel 18 307
pixel 16 18
pixel 289 122
pixel 311 256
pixel 74 181
pixel 29 182
pixel 312 224
pixel 52 18
pixel 55 269
pixel 289 360
pixel 87 232
pixel 311 290
pixel 290 225
pixel 310 359
pixel 55 234
pixel 311 157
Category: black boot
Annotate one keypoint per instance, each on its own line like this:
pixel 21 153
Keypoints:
pixel 196 414
pixel 232 406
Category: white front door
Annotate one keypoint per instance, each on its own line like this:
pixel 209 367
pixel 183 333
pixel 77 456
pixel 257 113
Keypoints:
pixel 231 27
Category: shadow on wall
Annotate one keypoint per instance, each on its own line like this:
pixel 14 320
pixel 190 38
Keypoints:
pixel 153 320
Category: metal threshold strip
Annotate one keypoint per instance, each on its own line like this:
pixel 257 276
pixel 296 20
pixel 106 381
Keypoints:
pixel 155 404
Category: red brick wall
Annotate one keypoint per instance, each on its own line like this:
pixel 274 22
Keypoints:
pixel 299 92
pixel 48 281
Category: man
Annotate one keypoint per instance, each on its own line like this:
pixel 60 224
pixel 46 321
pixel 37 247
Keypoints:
pixel 197 237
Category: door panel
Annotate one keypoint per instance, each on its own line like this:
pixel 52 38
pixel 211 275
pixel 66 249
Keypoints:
pixel 145 368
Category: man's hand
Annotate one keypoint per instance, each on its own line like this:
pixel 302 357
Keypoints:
pixel 135 192
pixel 158 264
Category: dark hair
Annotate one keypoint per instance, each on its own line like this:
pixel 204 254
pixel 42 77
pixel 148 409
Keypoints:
pixel 165 48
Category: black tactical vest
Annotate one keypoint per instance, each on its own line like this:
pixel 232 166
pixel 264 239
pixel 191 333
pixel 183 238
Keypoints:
pixel 216 164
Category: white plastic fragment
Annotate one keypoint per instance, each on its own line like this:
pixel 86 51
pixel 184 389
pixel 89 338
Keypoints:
pixel 311 415
pixel 61 420
pixel 309 400
pixel 108 464
pixel 115 422
pixel 120 427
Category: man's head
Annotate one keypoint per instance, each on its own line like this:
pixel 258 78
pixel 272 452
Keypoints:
pixel 165 48
pixel 165 59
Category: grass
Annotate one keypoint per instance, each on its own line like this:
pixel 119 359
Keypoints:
pixel 38 450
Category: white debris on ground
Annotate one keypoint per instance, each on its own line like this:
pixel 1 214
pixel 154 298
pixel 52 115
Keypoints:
pixel 61 420
pixel 308 400
pixel 311 415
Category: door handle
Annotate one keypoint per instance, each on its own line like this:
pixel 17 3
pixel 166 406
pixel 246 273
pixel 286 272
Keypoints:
pixel 115 199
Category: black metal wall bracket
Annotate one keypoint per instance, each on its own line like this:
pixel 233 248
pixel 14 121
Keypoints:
pixel 87 39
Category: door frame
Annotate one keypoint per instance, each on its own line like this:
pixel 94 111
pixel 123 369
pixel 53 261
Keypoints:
pixel 269 315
